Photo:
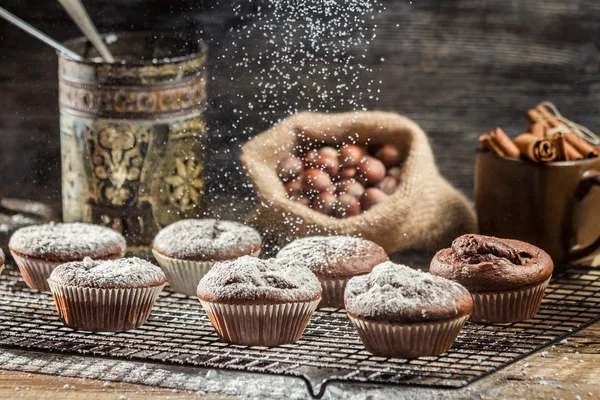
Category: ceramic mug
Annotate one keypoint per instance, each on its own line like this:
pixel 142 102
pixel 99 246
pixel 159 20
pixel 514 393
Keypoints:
pixel 555 206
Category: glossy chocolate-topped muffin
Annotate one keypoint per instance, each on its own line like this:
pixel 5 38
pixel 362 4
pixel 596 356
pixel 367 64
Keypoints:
pixel 507 278
pixel 187 249
pixel 402 312
pixel 106 295
pixel 38 249
pixel 334 260
pixel 259 302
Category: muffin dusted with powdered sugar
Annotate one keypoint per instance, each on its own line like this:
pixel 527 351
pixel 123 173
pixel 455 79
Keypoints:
pixel 121 273
pixel 402 312
pixel 252 280
pixel 187 249
pixel 334 260
pixel 207 240
pixel 259 302
pixel 106 296
pixel 38 249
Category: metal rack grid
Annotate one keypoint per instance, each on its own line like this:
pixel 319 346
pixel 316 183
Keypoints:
pixel 178 332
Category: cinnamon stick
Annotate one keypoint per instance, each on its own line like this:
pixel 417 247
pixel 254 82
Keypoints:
pixel 566 152
pixel 487 144
pixel 536 149
pixel 503 142
pixel 539 129
pixel 534 116
pixel 548 116
pixel 583 147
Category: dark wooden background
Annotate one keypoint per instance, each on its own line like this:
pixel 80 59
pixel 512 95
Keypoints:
pixel 458 68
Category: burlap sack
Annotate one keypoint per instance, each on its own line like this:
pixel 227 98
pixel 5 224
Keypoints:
pixel 425 212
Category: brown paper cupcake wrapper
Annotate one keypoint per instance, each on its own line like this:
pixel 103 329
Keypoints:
pixel 333 292
pixel 184 275
pixel 409 340
pixel 260 324
pixel 35 271
pixel 103 310
pixel 508 306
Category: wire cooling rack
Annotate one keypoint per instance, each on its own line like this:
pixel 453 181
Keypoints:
pixel 178 332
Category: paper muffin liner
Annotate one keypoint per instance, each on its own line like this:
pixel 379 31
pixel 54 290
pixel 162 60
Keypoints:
pixel 35 271
pixel 260 324
pixel 184 275
pixel 103 310
pixel 508 306
pixel 333 292
pixel 408 340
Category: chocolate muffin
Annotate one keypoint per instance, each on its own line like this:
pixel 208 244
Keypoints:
pixel 406 313
pixel 259 302
pixel 507 278
pixel 106 296
pixel 187 249
pixel 334 260
pixel 38 249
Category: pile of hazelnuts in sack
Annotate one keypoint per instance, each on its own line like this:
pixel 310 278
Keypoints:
pixel 341 182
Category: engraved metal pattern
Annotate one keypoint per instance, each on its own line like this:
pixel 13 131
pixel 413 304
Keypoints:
pixel 132 101
pixel 117 156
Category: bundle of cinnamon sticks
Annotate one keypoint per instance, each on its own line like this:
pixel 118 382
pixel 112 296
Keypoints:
pixel 547 139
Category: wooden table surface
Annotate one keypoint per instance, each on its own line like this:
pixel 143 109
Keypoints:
pixel 567 370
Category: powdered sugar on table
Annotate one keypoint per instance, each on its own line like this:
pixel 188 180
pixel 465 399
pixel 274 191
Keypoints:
pixel 67 242
pixel 121 273
pixel 399 293
pixel 250 279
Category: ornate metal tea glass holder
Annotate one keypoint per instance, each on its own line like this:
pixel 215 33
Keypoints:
pixel 133 133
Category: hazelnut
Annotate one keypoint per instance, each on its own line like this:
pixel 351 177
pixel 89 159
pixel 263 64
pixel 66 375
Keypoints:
pixel 315 181
pixel 396 172
pixel 370 170
pixel 328 151
pixel 304 201
pixel 310 157
pixel 371 197
pixel 324 202
pixel 350 186
pixel 388 185
pixel 347 173
pixel 388 155
pixel 347 206
pixel 289 167
pixel 327 163
pixel 294 189
pixel 331 189
pixel 350 155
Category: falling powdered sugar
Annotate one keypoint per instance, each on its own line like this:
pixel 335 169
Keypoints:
pixel 130 272
pixel 397 293
pixel 207 239
pixel 67 242
pixel 249 279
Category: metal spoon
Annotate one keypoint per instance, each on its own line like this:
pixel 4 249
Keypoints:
pixel 78 13
pixel 18 22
